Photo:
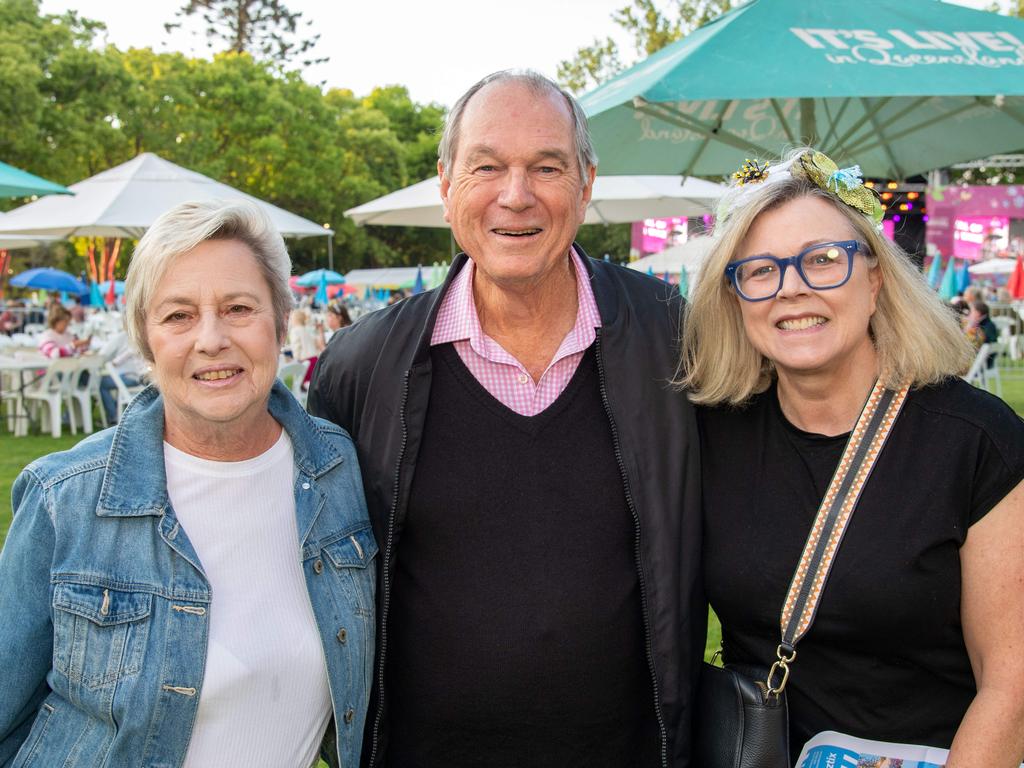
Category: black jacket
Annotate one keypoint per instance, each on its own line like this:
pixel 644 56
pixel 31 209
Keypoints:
pixel 374 380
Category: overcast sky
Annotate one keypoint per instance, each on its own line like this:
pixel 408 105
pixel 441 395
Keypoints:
pixel 437 49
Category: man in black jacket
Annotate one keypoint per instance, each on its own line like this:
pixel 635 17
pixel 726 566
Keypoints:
pixel 532 476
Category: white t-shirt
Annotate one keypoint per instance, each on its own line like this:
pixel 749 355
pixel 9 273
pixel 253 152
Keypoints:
pixel 265 698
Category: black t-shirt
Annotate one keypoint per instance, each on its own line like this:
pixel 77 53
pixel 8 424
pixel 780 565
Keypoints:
pixel 885 658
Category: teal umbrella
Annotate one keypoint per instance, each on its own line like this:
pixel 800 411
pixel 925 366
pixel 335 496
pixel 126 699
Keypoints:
pixel 317 276
pixel 15 182
pixel 935 271
pixel 321 298
pixel 947 289
pixel 95 296
pixel 896 87
pixel 684 284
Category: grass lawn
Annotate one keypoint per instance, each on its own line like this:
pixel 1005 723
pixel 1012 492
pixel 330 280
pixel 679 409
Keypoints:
pixel 15 453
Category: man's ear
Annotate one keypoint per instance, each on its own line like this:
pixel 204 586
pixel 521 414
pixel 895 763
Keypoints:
pixel 446 184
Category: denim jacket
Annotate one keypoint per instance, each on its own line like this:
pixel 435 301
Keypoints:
pixel 103 601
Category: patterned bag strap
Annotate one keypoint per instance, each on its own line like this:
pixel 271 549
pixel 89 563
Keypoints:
pixel 862 449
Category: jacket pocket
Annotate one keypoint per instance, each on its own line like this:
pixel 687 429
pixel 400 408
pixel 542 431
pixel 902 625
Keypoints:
pixel 99 633
pixel 351 557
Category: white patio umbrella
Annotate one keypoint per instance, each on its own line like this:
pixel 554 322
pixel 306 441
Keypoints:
pixel 689 256
pixel 996 266
pixel 616 199
pixel 125 200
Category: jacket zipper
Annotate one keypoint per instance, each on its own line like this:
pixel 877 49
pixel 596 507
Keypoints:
pixel 386 578
pixel 636 553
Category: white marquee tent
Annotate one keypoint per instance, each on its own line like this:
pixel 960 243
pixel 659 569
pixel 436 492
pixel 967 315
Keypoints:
pixel 125 200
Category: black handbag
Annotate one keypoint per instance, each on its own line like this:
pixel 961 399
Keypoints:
pixel 742 720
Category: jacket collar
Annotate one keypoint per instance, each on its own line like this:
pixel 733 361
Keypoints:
pixel 135 483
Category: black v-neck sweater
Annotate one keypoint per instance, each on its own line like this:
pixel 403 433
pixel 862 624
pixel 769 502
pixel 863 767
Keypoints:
pixel 515 632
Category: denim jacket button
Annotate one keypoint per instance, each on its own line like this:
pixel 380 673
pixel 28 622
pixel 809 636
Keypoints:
pixel 305 486
pixel 318 566
pixel 343 635
pixel 349 716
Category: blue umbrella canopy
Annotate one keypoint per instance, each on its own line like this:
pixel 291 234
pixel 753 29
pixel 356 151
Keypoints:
pixel 417 287
pixel 49 279
pixel 15 182
pixel 118 287
pixel 317 276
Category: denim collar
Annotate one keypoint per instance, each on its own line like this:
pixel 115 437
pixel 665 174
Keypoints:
pixel 135 484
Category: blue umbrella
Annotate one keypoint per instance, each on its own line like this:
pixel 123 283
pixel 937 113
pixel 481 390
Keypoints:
pixel 935 271
pixel 650 271
pixel 317 276
pixel 118 287
pixel 417 287
pixel 95 296
pixel 666 277
pixel 49 279
pixel 963 278
pixel 947 290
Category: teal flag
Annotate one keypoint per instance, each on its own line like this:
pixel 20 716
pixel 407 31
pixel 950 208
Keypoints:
pixel 947 289
pixel 935 271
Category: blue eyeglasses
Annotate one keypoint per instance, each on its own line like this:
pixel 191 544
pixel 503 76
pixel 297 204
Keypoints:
pixel 822 266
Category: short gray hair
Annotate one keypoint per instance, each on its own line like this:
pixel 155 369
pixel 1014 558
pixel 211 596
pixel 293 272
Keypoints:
pixel 586 157
pixel 186 226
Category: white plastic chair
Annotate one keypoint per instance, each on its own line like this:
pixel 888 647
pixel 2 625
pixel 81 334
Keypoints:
pixel 292 375
pixel 86 389
pixel 980 374
pixel 53 391
pixel 124 392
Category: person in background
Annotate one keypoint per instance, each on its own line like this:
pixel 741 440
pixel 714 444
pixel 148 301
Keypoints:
pixel 801 306
pixel 195 586
pixel 56 341
pixel 337 318
pixel 530 473
pixel 305 341
pixel 120 352
pixel 980 328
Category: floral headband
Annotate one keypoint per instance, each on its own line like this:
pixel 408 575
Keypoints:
pixel 846 184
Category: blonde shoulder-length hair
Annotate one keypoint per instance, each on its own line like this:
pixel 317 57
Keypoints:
pixel 917 337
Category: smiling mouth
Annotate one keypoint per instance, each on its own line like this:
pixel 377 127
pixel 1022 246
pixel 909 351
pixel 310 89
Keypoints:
pixel 800 323
pixel 516 232
pixel 217 375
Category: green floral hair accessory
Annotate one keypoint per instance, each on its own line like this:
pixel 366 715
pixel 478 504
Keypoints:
pixel 845 183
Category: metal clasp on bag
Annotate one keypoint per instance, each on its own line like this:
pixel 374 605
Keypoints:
pixel 783 664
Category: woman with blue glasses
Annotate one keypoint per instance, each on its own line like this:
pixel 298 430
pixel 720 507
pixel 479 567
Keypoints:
pixel 919 633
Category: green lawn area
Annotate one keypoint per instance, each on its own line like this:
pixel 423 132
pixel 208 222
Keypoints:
pixel 15 453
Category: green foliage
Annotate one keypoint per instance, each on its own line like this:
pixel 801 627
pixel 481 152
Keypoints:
pixel 650 28
pixel 266 29
pixel 72 109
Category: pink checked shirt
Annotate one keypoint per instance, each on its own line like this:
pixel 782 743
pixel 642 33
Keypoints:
pixel 497 371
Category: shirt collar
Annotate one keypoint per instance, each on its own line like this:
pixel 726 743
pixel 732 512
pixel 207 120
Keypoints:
pixel 457 319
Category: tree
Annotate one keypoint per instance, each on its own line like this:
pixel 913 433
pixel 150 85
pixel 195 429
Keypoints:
pixel 650 28
pixel 266 29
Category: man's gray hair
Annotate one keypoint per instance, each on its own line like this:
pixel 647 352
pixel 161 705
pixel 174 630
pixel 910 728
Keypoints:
pixel 586 157
pixel 188 225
